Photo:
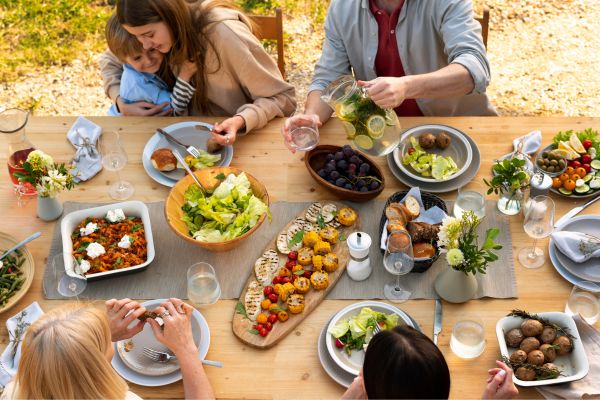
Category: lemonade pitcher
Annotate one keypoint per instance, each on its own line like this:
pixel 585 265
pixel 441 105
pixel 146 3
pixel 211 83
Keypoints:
pixel 12 128
pixel 374 130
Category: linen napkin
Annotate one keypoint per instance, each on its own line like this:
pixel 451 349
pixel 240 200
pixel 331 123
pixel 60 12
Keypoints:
pixel 17 326
pixel 434 215
pixel 578 246
pixel 589 386
pixel 84 135
pixel 531 144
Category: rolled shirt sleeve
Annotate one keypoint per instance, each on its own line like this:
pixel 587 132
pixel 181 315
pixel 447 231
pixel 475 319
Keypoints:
pixel 111 70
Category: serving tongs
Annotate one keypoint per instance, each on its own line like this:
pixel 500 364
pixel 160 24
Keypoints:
pixel 189 171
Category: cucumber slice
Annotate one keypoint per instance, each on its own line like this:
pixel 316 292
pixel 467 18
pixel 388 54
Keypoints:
pixel 565 191
pixel 588 178
pixel 595 164
pixel 582 189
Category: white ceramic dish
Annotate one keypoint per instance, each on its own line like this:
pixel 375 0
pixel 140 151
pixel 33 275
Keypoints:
pixel 130 209
pixel 573 366
pixel 353 363
pixel 188 134
pixel 459 149
pixel 138 378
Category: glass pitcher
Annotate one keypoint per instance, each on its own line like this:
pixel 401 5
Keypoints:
pixel 12 125
pixel 374 130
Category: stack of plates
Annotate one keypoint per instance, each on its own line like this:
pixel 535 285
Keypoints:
pixel 186 133
pixel 338 365
pixel 133 366
pixel 577 273
pixel 462 149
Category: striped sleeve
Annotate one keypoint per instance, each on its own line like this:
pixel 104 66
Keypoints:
pixel 181 96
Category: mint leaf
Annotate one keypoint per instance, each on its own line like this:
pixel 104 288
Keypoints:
pixel 83 247
pixel 297 238
pixel 253 331
pixel 299 272
pixel 320 221
pixel 342 237
pixel 240 309
pixel 137 227
pixel 221 177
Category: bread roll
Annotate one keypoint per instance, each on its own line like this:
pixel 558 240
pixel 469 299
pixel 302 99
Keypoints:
pixel 413 207
pixel 394 227
pixel 423 250
pixel 395 214
pixel 163 160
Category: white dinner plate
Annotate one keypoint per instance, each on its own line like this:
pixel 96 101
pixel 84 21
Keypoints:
pixel 155 376
pixel 186 133
pixel 570 270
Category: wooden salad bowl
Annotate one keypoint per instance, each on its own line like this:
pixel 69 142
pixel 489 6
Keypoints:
pixel 207 176
pixel 316 159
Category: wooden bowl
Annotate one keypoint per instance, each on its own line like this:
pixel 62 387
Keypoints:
pixel 316 159
pixel 206 176
pixel 28 268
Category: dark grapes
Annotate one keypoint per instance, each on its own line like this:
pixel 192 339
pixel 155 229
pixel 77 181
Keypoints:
pixel 339 156
pixel 334 175
pixel 340 182
pixel 363 189
pixel 373 185
pixel 355 160
pixel 329 167
pixel 348 152
pixel 329 157
pixel 322 173
pixel 352 167
pixel 361 183
pixel 364 167
pixel 348 186
pixel 346 169
pixel 342 165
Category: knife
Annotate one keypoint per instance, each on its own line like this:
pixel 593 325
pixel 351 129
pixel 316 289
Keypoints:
pixel 170 138
pixel 574 212
pixel 437 321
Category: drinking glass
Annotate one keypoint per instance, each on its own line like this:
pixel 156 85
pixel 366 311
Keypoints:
pixel 468 338
pixel 585 302
pixel 202 284
pixel 114 158
pixel 398 260
pixel 538 224
pixel 470 198
pixel 304 131
pixel 72 281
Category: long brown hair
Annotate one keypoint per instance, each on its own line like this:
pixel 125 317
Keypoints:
pixel 187 22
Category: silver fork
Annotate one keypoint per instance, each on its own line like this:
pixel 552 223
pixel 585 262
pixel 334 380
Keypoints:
pixel 377 328
pixel 189 148
pixel 162 357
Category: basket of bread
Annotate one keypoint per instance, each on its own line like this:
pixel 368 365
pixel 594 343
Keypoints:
pixel 401 213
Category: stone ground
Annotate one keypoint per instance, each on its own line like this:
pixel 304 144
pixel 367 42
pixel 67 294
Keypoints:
pixel 545 57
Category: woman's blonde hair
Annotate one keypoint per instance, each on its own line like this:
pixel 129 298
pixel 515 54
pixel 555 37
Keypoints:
pixel 64 357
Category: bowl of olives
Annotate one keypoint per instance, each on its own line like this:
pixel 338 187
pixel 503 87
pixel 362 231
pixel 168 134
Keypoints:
pixel 549 163
pixel 542 349
pixel 345 172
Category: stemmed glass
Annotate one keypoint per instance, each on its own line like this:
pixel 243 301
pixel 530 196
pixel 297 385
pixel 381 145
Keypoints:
pixel 538 224
pixel 72 280
pixel 398 260
pixel 114 158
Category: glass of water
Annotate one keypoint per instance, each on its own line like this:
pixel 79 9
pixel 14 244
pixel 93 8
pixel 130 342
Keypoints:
pixel 585 302
pixel 72 280
pixel 468 338
pixel 398 260
pixel 114 158
pixel 304 131
pixel 470 198
pixel 538 224
pixel 202 284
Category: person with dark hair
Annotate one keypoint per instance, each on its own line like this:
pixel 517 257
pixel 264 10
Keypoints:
pixel 235 77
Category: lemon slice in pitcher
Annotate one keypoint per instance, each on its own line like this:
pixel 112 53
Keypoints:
pixel 350 129
pixel 363 141
pixel 376 126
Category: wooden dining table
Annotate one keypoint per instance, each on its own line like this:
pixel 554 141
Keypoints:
pixel 291 369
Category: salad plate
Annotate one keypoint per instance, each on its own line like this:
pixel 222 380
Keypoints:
pixel 138 369
pixel 357 318
pixel 186 133
pixel 439 187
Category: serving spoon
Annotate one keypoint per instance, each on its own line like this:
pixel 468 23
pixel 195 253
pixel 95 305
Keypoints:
pixel 21 244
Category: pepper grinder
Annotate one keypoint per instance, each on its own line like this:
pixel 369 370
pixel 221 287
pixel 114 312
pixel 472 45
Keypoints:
pixel 359 266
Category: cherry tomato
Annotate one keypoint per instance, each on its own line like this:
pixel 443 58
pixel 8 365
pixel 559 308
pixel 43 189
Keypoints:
pixel 575 177
pixel 293 255
pixel 273 298
pixel 297 268
pixel 586 159
pixel 282 316
pixel 285 279
pixel 269 326
pixel 259 327
pixel 291 264
pixel 411 150
pixel 262 318
pixel 284 272
pixel 265 304
pixel 587 168
pixel 277 288
pixel 570 170
pixel 339 344
pixel 307 274
pixel 556 183
pixel 587 143
pixel 569 184
pixel 276 280
pixel 272 318
pixel 268 290
pixel 581 172
pixel 255 326
pixel 576 164
pixel 263 332
pixel 563 177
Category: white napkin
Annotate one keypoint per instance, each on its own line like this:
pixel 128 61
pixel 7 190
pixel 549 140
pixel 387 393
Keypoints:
pixel 434 215
pixel 578 246
pixel 84 136
pixel 531 144
pixel 9 361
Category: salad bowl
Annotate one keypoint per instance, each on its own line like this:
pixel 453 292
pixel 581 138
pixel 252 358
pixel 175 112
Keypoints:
pixel 459 150
pixel 210 178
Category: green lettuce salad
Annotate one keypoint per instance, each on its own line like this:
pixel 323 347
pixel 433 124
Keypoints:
pixel 427 164
pixel 356 332
pixel 230 211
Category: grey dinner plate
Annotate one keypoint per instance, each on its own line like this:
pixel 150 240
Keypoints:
pixel 188 134
pixel 440 187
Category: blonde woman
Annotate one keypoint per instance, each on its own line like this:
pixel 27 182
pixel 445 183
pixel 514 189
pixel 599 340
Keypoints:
pixel 66 353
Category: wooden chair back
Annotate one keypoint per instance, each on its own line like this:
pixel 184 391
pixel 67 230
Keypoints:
pixel 271 28
pixel 484 20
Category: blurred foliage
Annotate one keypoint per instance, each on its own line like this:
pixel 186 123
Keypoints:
pixel 315 9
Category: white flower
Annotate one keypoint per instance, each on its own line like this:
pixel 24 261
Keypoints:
pixel 455 257
pixel 449 233
pixel 39 159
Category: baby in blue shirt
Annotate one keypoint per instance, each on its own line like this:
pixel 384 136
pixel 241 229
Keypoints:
pixel 140 81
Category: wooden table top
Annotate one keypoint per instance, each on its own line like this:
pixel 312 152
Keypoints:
pixel 292 368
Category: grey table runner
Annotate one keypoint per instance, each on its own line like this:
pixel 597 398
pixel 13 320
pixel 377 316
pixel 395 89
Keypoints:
pixel 166 275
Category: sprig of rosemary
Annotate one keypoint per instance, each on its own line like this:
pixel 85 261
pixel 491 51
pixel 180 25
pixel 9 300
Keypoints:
pixel 17 336
pixel 525 315
pixel 541 372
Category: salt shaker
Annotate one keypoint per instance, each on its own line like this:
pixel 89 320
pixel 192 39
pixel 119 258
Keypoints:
pixel 359 266
pixel 540 185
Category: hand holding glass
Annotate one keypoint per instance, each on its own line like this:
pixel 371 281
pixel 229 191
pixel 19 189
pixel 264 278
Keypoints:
pixel 398 260
pixel 304 131
pixel 114 158
pixel 538 224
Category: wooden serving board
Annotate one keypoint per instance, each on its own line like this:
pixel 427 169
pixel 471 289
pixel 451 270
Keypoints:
pixel 242 325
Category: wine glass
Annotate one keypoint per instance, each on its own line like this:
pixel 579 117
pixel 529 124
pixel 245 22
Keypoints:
pixel 538 224
pixel 398 260
pixel 72 281
pixel 114 158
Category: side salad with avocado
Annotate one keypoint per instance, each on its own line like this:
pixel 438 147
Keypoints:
pixel 428 164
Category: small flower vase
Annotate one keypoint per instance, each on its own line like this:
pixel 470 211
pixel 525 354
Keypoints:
pixel 49 208
pixel 455 286
pixel 511 201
